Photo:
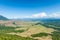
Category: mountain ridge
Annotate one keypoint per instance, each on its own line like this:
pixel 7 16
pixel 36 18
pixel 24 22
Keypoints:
pixel 3 18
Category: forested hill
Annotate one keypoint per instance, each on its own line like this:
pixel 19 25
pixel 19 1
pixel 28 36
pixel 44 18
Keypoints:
pixel 3 18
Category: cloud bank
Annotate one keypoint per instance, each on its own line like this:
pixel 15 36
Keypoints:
pixel 44 15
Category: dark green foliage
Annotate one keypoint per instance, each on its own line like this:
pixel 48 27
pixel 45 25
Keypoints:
pixel 4 29
pixel 19 31
pixel 50 24
pixel 4 36
pixel 13 37
pixel 40 35
pixel 55 36
pixel 14 23
pixel 55 23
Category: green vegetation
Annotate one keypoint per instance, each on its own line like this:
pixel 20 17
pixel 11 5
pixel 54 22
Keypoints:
pixel 4 29
pixel 20 31
pixel 40 35
pixel 14 23
pixel 55 24
pixel 55 35
pixel 4 36
pixel 13 37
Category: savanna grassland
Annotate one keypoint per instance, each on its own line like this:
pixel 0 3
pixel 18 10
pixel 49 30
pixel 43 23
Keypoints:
pixel 29 30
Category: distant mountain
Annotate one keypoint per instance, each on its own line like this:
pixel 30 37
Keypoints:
pixel 40 19
pixel 3 18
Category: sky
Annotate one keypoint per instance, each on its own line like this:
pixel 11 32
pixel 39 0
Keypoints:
pixel 30 8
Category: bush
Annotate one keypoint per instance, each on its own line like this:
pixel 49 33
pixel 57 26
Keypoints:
pixel 13 37
pixel 39 35
pixel 55 36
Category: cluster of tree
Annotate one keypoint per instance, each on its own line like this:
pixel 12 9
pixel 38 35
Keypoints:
pixel 4 29
pixel 50 24
pixel 55 35
pixel 40 35
pixel 14 37
pixel 4 36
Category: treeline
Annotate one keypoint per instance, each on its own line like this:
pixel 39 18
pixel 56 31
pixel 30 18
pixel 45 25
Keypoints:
pixel 5 29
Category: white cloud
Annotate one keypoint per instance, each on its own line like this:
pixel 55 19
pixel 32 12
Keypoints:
pixel 44 15
pixel 39 15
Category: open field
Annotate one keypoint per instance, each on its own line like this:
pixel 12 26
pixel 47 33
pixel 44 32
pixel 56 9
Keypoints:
pixel 26 30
